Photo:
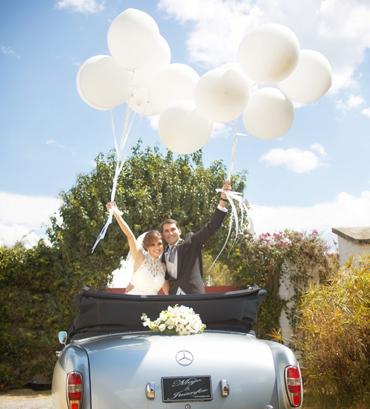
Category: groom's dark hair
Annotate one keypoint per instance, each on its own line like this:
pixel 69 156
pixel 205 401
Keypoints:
pixel 169 221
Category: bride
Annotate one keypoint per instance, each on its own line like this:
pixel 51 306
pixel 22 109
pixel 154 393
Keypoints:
pixel 148 270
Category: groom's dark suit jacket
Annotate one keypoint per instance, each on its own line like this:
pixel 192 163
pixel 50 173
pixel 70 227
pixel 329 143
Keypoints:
pixel 189 257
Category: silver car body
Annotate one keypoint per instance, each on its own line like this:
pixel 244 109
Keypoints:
pixel 144 369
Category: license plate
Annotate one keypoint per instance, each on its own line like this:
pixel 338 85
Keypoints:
pixel 186 389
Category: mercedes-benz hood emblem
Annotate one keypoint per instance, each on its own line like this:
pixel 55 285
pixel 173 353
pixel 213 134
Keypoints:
pixel 184 358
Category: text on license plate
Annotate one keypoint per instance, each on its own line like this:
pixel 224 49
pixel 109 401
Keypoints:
pixel 190 388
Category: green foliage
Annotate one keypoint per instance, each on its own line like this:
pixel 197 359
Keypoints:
pixel 37 286
pixel 335 338
pixel 32 306
pixel 151 188
pixel 219 274
pixel 261 261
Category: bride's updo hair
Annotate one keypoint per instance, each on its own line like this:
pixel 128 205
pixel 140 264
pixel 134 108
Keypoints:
pixel 150 237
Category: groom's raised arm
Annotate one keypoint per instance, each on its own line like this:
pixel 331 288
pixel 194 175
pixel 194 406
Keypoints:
pixel 216 221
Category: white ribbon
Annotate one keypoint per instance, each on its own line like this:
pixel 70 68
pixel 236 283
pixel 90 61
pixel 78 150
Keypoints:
pixel 237 196
pixel 231 196
pixel 126 129
pixel 105 228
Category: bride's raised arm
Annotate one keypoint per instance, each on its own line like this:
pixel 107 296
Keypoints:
pixel 135 250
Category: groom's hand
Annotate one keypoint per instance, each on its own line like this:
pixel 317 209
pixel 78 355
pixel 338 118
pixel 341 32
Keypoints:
pixel 223 199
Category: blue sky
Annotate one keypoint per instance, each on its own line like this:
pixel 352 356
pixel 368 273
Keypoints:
pixel 316 176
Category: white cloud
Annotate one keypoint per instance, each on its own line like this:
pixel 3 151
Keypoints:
pixel 222 130
pixel 54 143
pixel 339 29
pixel 296 160
pixel 218 29
pixel 80 6
pixel 24 217
pixel 74 62
pixel 153 121
pixel 345 211
pixel 366 112
pixel 353 101
pixel 8 51
pixel 319 148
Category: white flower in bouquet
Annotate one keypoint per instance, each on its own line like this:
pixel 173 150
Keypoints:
pixel 177 320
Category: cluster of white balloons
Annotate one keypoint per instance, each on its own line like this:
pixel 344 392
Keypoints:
pixel 139 73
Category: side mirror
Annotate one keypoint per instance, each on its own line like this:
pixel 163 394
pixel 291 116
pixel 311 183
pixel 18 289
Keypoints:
pixel 62 336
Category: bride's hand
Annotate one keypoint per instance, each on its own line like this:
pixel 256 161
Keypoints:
pixel 227 186
pixel 129 288
pixel 111 205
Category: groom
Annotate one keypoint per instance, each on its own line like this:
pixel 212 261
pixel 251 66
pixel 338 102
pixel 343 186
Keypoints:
pixel 183 258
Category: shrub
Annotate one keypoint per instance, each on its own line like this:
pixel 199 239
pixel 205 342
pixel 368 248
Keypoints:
pixel 335 337
pixel 36 301
pixel 260 260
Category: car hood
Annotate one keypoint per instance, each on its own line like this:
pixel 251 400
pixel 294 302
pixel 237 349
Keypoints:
pixel 121 366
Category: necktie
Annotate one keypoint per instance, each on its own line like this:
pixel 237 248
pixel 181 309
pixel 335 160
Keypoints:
pixel 173 250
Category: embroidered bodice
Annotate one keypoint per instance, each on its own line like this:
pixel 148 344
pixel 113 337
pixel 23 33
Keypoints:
pixel 148 279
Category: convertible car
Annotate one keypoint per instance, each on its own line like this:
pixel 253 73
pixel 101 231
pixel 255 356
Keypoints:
pixel 112 361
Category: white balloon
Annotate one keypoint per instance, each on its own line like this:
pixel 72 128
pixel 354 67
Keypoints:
pixel 222 94
pixel 102 83
pixel 183 129
pixel 310 80
pixel 269 114
pixel 173 83
pixel 160 59
pixel 253 86
pixel 141 104
pixel 133 38
pixel 269 53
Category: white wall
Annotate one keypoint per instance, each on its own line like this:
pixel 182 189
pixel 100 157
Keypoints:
pixel 287 293
pixel 347 248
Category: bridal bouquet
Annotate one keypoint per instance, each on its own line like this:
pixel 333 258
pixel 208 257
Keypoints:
pixel 177 320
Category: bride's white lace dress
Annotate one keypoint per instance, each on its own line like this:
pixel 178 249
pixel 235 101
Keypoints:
pixel 148 279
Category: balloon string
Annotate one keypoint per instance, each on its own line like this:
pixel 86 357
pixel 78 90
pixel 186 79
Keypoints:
pixel 126 129
pixel 237 196
pixel 234 214
pixel 132 142
pixel 113 130
pixel 134 137
pixel 124 135
pixel 231 196
pixel 127 124
pixel 233 150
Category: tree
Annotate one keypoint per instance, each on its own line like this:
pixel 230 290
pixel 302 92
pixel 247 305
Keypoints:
pixel 37 286
pixel 151 188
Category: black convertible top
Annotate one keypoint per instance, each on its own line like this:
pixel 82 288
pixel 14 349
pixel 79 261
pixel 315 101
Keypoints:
pixel 101 312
